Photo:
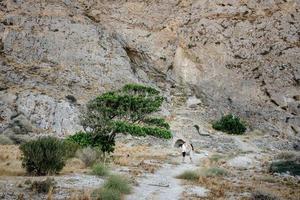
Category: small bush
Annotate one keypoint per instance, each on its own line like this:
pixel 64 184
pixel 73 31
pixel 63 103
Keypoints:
pixel 46 155
pixel 282 166
pixel 118 183
pixel 100 169
pixel 230 124
pixel 43 186
pixel 87 155
pixel 214 171
pixel 106 194
pixel 189 175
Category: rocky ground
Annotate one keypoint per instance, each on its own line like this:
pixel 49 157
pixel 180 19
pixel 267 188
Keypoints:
pixel 153 173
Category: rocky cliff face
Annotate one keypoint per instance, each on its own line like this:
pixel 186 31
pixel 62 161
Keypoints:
pixel 216 56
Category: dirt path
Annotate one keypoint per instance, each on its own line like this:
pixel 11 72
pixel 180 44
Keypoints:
pixel 163 185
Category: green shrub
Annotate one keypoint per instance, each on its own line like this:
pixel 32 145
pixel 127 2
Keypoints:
pixel 106 194
pixel 43 186
pixel 230 124
pixel 118 183
pixel 189 175
pixel 214 171
pixel 46 155
pixel 282 166
pixel 81 138
pixel 100 169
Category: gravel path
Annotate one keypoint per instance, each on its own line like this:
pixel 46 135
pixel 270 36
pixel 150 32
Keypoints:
pixel 163 185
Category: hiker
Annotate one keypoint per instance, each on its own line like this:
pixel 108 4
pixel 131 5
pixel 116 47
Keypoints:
pixel 187 150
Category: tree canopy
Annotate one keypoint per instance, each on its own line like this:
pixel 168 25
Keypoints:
pixel 127 110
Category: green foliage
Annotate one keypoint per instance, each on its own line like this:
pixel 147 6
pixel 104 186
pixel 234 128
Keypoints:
pixel 282 166
pixel 123 111
pixel 286 162
pixel 113 189
pixel 230 124
pixel 43 186
pixel 118 183
pixel 133 129
pixel 81 138
pixel 189 175
pixel 159 122
pixel 104 142
pixel 87 139
pixel 100 169
pixel 46 155
pixel 140 89
pixel 214 171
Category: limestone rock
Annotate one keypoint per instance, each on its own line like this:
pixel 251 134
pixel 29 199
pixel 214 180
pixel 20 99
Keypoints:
pixel 234 56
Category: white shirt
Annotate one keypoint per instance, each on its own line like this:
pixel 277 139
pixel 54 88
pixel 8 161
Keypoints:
pixel 183 148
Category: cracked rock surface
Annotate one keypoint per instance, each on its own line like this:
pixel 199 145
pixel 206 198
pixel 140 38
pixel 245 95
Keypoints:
pixel 229 56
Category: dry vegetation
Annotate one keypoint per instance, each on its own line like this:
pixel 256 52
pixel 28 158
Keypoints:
pixel 139 158
pixel 10 164
pixel 74 165
pixel 236 184
pixel 242 184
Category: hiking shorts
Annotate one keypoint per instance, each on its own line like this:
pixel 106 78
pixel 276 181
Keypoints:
pixel 183 154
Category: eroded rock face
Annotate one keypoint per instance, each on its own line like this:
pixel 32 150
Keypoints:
pixel 54 59
pixel 235 56
pixel 232 56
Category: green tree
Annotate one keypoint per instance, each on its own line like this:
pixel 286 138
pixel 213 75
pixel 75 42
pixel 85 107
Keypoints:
pixel 124 111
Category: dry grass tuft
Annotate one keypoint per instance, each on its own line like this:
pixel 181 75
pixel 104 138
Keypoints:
pixel 74 165
pixel 151 168
pixel 213 171
pixel 10 163
pixel 88 156
pixel 137 156
pixel 189 175
pixel 85 195
pixel 139 152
